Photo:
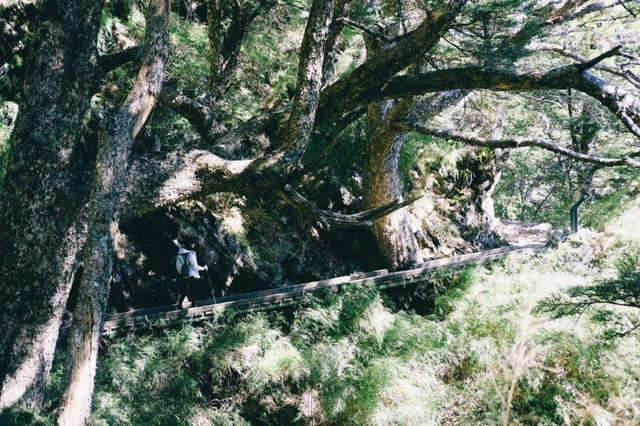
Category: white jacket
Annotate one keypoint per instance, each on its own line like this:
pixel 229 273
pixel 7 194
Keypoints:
pixel 194 268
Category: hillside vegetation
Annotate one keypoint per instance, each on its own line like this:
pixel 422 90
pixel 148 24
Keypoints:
pixel 480 353
pixel 287 141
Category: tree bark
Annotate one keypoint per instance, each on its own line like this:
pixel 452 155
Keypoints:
pixel 394 233
pixel 110 179
pixel 43 196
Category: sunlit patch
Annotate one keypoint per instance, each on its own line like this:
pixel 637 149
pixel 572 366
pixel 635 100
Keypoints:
pixel 233 222
pixel 377 319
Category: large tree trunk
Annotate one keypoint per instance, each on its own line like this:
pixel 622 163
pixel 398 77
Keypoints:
pixel 395 233
pixel 42 196
pixel 398 234
pixel 111 174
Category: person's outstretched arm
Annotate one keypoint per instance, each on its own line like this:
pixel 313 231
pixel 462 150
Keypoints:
pixel 193 261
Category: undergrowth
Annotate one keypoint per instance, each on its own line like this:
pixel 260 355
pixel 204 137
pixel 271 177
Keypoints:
pixel 483 354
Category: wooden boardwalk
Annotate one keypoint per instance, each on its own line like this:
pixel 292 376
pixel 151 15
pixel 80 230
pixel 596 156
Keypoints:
pixel 202 310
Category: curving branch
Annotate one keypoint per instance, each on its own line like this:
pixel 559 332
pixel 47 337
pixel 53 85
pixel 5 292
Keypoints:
pixel 328 218
pixel 471 139
pixel 625 105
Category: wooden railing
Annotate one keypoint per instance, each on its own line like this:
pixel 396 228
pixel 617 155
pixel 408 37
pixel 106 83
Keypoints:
pixel 283 296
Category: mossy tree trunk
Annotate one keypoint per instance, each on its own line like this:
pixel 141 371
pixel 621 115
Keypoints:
pixel 394 233
pixel 381 184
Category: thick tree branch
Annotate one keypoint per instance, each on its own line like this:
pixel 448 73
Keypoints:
pixel 107 63
pixel 370 77
pixel 522 142
pixel 364 218
pixel 155 182
pixel 622 103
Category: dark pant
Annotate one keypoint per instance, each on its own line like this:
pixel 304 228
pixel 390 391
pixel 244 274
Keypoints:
pixel 185 288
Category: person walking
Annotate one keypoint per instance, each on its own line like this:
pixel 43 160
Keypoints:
pixel 188 269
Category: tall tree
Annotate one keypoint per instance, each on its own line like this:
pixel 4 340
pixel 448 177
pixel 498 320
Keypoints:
pixel 43 195
pixel 283 165
pixel 110 178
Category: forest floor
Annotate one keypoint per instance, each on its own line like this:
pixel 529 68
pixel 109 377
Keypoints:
pixel 478 351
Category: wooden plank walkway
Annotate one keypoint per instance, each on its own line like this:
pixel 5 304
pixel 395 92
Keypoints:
pixel 283 296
